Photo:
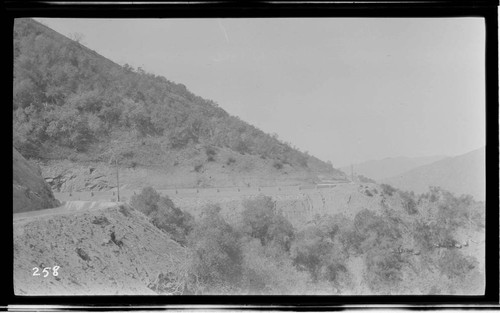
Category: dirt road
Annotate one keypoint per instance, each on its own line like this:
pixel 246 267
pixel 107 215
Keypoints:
pixel 69 206
pixel 213 193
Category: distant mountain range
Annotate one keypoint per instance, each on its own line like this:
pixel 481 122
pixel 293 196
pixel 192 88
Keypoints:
pixel 389 167
pixel 462 174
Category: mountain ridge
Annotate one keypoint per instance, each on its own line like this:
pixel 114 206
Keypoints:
pixel 462 174
pixel 390 166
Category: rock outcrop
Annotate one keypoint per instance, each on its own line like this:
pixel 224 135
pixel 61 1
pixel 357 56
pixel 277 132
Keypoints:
pixel 78 178
pixel 30 192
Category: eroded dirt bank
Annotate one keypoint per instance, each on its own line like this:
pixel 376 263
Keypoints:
pixel 107 251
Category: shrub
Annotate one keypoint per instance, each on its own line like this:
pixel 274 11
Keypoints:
pixel 70 128
pixel 164 214
pixel 216 264
pixel 337 273
pixel 454 211
pixel 278 165
pixel 408 201
pixel 211 153
pixel 368 193
pixel 430 235
pixel 261 220
pixel 230 161
pixel 182 138
pixel 352 240
pixel 317 251
pixel 376 231
pixel 146 201
pixel 173 220
pixel 266 273
pixel 242 146
pixel 280 232
pixel 384 271
pixel 432 195
pixel 462 272
pixel 388 189
pixel 454 264
pixel 309 252
pixel 197 168
pixel 301 159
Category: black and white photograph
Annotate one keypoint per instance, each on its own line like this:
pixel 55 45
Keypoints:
pixel 249 156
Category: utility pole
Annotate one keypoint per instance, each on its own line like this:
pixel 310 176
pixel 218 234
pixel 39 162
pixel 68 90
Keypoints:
pixel 114 155
pixel 117 179
pixel 352 173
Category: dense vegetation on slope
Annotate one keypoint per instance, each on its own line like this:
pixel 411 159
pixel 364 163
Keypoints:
pixel 70 102
pixel 414 248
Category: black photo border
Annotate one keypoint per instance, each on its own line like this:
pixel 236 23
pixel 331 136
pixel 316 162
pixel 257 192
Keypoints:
pixel 268 9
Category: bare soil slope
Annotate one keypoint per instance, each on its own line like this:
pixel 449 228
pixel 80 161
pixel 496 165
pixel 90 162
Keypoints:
pixel 100 250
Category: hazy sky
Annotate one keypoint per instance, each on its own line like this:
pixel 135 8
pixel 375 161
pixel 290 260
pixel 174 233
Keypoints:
pixel 346 90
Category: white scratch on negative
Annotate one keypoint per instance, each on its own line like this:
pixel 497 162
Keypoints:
pixel 223 30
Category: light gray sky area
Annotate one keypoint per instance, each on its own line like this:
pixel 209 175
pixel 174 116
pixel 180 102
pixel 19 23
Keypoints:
pixel 346 90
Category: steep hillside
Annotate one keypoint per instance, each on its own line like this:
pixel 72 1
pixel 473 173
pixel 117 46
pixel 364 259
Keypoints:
pixel 463 174
pixel 29 190
pixel 389 167
pixel 95 251
pixel 71 103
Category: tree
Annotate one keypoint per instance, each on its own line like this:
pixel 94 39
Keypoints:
pixel 268 273
pixel 261 220
pixel 67 127
pixel 217 261
pixel 147 201
pixel 78 37
pixel 384 271
pixel 408 202
pixel 318 250
pixel 379 236
pixel 163 213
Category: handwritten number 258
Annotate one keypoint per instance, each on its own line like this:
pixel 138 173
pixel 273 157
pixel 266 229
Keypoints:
pixel 45 271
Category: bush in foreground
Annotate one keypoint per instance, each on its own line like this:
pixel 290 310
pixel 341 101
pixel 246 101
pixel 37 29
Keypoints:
pixel 261 220
pixel 217 262
pixel 320 250
pixel 163 213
